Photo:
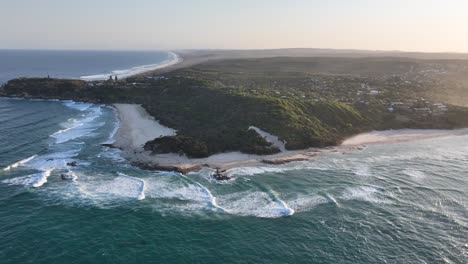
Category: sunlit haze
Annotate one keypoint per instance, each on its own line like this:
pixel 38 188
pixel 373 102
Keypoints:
pixel 416 25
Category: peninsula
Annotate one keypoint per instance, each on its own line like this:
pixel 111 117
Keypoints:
pixel 250 104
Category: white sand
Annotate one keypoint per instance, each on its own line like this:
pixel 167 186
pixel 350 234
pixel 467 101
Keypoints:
pixel 400 135
pixel 137 127
pixel 274 140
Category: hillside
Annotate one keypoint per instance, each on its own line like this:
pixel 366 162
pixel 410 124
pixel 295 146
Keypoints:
pixel 306 102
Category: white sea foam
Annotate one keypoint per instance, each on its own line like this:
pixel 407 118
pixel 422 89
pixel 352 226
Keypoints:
pixel 295 165
pixel 77 105
pixel 142 187
pixel 107 190
pixel 362 170
pixel 331 199
pixel 248 203
pixel 113 154
pixel 306 202
pixel 78 127
pixel 72 175
pixel 418 175
pixel 34 180
pixel 211 199
pixel 43 178
pixel 249 171
pixel 371 194
pixel 45 163
pixel 19 163
pixel 206 173
pixel 172 60
pixel 284 210
pixel 255 203
pixel 173 188
pixel 57 160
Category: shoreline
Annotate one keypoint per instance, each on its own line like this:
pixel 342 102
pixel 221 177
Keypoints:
pixel 135 127
pixel 173 60
pixel 138 127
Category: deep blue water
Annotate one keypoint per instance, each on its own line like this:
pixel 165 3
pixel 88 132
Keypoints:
pixel 394 203
pixel 72 64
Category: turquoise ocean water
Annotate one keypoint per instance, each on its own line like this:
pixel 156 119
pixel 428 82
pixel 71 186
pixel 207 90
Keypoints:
pixel 394 203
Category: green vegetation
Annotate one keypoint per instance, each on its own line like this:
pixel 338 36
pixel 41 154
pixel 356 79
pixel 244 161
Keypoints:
pixel 306 102
pixel 178 144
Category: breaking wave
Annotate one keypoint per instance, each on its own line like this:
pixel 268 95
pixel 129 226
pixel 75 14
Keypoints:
pixel 371 194
pixel 141 185
pixel 34 180
pixel 19 163
pixel 79 127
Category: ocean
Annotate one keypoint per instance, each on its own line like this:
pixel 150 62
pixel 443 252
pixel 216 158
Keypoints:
pixel 391 203
pixel 88 65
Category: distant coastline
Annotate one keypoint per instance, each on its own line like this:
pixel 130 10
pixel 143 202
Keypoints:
pixel 73 64
pixel 173 59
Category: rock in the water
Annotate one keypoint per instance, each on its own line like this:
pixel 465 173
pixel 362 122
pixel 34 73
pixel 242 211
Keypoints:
pixel 220 175
pixel 66 177
pixel 72 164
pixel 109 145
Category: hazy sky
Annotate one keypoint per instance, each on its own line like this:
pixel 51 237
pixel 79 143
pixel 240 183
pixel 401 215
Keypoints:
pixel 410 25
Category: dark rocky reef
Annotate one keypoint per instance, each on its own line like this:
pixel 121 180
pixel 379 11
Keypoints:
pixel 183 169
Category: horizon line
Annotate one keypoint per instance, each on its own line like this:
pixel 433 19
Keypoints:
pixel 234 49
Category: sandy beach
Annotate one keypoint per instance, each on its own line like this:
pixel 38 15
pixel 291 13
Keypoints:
pixel 173 60
pixel 137 127
pixel 400 135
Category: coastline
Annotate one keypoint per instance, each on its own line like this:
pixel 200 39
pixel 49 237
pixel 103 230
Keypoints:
pixel 137 127
pixel 174 59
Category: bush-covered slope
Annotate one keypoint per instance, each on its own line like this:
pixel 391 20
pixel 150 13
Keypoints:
pixel 211 120
pixel 307 102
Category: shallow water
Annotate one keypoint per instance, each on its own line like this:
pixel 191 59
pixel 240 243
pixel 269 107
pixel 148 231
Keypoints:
pixel 395 203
